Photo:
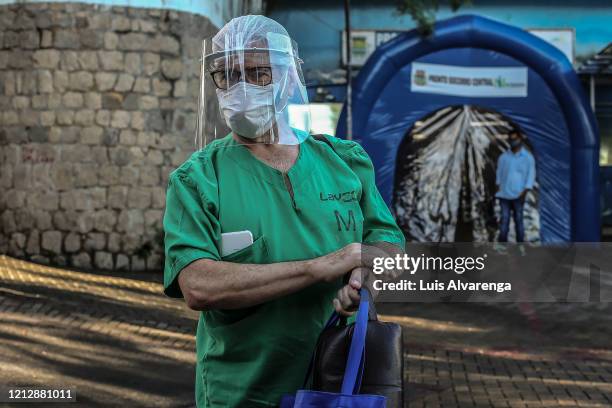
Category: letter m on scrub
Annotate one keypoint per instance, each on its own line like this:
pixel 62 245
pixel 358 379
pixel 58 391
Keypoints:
pixel 345 223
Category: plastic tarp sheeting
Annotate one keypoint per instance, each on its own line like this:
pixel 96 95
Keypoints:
pixel 553 114
pixel 445 178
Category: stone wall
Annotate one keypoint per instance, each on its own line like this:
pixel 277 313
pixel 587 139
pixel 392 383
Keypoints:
pixel 97 106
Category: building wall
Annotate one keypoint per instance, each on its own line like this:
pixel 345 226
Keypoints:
pixel 97 106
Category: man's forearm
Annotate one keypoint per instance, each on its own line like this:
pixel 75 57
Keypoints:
pixel 208 284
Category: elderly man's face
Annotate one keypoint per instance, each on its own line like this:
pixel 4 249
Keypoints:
pixel 250 67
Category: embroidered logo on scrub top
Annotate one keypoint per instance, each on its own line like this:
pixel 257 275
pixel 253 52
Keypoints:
pixel 345 197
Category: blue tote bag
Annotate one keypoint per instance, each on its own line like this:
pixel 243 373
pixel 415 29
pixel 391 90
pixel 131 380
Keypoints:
pixel 348 396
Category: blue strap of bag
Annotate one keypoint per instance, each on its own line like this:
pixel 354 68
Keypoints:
pixel 354 364
pixel 353 371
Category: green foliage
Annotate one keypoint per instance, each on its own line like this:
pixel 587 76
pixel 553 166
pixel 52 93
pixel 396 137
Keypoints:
pixel 423 12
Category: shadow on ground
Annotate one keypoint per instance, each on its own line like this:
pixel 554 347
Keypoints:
pixel 120 342
pixel 116 339
pixel 506 355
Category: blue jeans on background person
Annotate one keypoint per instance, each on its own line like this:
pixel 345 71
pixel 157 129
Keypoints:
pixel 516 206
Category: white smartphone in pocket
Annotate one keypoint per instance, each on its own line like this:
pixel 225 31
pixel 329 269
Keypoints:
pixel 235 241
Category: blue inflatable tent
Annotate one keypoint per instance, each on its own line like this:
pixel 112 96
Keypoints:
pixel 410 77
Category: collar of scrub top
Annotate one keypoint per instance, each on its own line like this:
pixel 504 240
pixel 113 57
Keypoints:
pixel 298 173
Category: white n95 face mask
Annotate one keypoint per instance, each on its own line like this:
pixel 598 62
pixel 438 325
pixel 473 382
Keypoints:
pixel 248 109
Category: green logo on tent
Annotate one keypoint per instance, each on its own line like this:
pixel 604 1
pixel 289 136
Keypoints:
pixel 500 82
pixel 420 78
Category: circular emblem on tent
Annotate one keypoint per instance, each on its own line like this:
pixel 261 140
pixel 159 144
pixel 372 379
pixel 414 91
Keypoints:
pixel 420 77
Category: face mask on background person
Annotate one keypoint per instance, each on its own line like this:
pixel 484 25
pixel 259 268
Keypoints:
pixel 248 109
pixel 514 143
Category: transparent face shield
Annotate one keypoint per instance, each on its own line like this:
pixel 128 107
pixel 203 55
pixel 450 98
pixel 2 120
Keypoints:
pixel 253 88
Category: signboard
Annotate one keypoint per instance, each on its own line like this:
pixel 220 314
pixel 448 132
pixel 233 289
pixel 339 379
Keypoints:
pixel 363 44
pixel 562 38
pixel 491 82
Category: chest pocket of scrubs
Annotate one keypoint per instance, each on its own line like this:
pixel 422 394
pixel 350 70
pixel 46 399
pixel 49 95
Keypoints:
pixel 256 253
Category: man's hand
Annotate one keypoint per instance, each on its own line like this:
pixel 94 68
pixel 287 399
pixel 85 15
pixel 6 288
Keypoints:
pixel 524 194
pixel 329 267
pixel 347 299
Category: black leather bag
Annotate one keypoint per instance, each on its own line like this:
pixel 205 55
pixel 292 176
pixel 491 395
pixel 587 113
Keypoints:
pixel 382 366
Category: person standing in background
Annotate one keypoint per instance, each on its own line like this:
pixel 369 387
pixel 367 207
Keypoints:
pixel 515 176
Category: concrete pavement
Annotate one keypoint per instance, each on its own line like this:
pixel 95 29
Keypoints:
pixel 120 342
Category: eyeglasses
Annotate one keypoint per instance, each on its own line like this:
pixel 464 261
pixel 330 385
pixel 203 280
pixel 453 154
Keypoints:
pixel 225 78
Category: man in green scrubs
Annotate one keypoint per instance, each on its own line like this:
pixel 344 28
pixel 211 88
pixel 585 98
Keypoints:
pixel 311 205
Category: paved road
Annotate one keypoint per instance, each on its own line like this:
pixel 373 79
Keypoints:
pixel 468 355
pixel 121 343
pixel 115 338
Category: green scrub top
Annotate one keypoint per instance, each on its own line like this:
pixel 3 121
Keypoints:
pixel 251 357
